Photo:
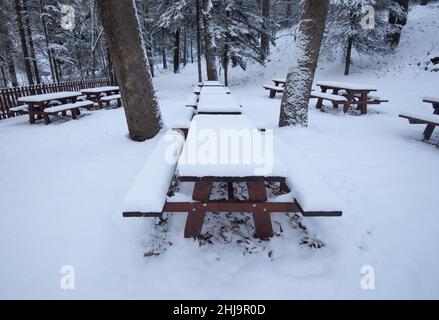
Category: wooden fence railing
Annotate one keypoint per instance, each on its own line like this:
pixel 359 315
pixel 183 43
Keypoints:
pixel 9 96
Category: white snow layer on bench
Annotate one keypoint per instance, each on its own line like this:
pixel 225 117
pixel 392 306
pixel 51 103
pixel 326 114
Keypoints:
pixel 273 87
pixel 210 83
pixel 431 99
pixel 228 146
pixel 112 97
pixel 434 118
pixel 69 106
pixel 329 96
pixel 214 90
pixel 218 103
pixel 191 100
pixel 100 89
pixel 307 189
pixel 149 191
pixel 183 118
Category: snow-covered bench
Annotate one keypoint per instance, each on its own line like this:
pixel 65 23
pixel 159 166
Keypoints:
pixel 147 195
pixel 183 120
pixel 107 99
pixel 191 101
pixel 273 89
pixel 72 107
pixel 312 197
pixel 431 120
pixel 20 109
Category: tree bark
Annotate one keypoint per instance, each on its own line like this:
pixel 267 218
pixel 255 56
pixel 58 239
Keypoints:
pixel 209 41
pixel 294 106
pixel 177 51
pixel 184 47
pixel 46 37
pixel 122 28
pixel 31 43
pixel 200 75
pixel 265 42
pixel 348 57
pixel 23 42
pixel 8 47
pixel 424 2
pixel 5 81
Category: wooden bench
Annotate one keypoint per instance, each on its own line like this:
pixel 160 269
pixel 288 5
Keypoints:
pixel 431 120
pixel 334 98
pixel 273 89
pixel 192 101
pixel 147 195
pixel 72 107
pixel 20 109
pixel 107 99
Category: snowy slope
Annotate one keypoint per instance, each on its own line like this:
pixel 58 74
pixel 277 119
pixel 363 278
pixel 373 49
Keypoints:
pixel 63 185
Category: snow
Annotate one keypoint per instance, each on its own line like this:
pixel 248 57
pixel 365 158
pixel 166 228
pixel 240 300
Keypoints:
pixel 225 146
pixel 426 117
pixel 69 106
pixel 218 103
pixel 149 190
pixel 112 97
pixel 211 83
pixel 49 96
pixel 100 89
pixel 63 185
pixel 431 99
pixel 345 85
pixel 214 90
pixel 329 96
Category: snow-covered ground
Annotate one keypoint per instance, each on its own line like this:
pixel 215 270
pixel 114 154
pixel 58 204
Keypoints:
pixel 62 186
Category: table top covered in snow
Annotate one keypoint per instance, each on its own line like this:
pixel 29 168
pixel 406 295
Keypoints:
pixel 218 103
pixel 346 86
pixel 280 80
pixel 49 96
pixel 431 99
pixel 212 84
pixel 228 146
pixel 214 90
pixel 100 89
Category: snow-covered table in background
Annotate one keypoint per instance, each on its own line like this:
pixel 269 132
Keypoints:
pixel 37 103
pixel 432 121
pixel 208 83
pixel 218 104
pixel 95 94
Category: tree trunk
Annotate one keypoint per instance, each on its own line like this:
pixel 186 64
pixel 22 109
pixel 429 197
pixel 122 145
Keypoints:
pixel 31 43
pixel 200 76
pixel 185 47
pixel 265 42
pixel 5 81
pixel 23 41
pixel 165 63
pixel 192 45
pixel 8 50
pixel 395 36
pixel 128 54
pixel 56 67
pixel 177 51
pixel 12 72
pixel 294 106
pixel 46 37
pixel 209 41
pixel 288 14
pixel 424 2
pixel 348 57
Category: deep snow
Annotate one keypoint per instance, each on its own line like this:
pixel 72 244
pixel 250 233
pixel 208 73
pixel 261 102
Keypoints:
pixel 62 187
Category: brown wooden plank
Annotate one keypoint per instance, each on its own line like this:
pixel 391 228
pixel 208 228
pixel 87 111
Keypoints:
pixel 261 217
pixel 195 217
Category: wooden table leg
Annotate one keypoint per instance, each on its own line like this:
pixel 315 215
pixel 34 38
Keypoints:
pixel 195 219
pixel 363 102
pixel 31 113
pixel 230 191
pixel 348 102
pixel 320 100
pixel 262 219
pixel 430 127
pixel 334 103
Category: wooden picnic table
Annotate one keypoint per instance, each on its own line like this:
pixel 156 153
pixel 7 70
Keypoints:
pixel 279 81
pixel 37 103
pixel 435 103
pixel 95 94
pixel 210 83
pixel 355 94
pixel 221 103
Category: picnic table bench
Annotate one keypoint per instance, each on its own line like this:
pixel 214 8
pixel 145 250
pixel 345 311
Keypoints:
pixel 278 87
pixel 72 107
pixel 354 94
pixel 37 103
pixel 187 186
pixel 107 99
pixel 96 94
pixel 211 90
pixel 210 83
pixel 430 120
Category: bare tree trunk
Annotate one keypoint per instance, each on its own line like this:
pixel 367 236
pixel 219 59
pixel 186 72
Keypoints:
pixel 265 43
pixel 12 72
pixel 288 14
pixel 185 47
pixel 8 50
pixel 56 67
pixel 122 28
pixel 5 81
pixel 177 51
pixel 424 2
pixel 209 40
pixel 31 43
pixel 23 42
pixel 348 57
pixel 46 37
pixel 200 76
pixel 294 106
pixel 192 45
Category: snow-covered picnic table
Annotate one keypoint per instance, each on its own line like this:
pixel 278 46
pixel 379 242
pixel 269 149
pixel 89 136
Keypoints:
pixel 95 94
pixel 279 81
pixel 432 121
pixel 220 103
pixel 210 83
pixel 37 103
pixel 226 152
pixel 354 94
